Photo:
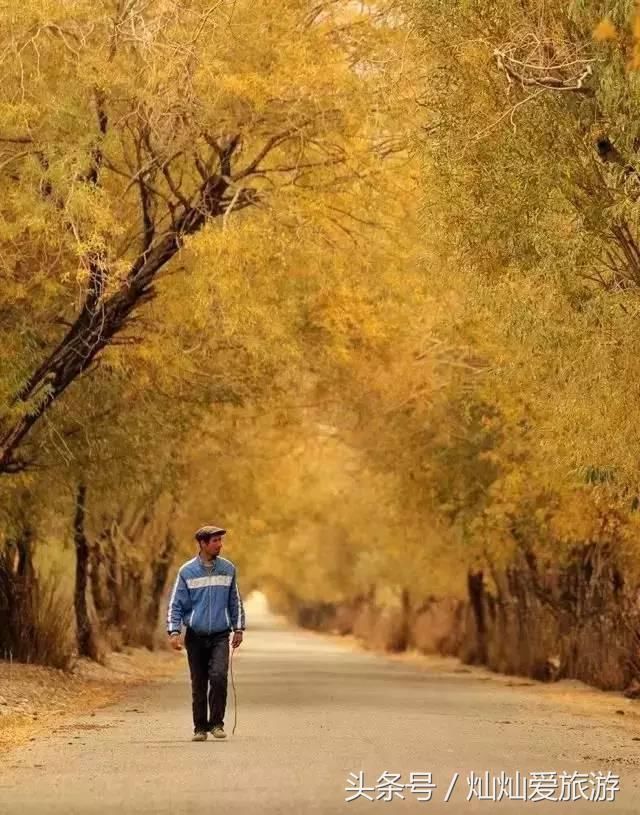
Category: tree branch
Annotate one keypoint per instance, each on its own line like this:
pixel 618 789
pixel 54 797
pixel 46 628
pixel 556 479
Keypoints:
pixel 100 320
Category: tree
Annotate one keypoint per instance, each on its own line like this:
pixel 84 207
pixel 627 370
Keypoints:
pixel 128 132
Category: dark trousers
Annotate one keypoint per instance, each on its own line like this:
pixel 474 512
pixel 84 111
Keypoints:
pixel 208 656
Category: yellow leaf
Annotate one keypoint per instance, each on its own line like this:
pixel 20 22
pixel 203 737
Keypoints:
pixel 605 31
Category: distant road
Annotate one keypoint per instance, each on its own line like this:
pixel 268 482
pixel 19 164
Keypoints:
pixel 311 713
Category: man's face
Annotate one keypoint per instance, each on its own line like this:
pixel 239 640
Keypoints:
pixel 212 547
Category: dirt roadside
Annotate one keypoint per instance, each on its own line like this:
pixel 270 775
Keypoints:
pixel 35 699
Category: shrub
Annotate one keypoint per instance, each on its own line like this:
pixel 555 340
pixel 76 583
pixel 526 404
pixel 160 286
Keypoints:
pixel 37 620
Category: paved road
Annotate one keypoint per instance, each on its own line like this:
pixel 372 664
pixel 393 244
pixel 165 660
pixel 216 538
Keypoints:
pixel 310 713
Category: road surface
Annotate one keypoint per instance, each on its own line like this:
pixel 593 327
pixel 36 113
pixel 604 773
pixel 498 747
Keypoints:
pixel 312 712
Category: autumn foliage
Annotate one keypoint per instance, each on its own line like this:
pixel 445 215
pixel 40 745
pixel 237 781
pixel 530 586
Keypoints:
pixel 359 281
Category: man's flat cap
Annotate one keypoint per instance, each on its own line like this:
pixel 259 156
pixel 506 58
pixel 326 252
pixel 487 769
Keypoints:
pixel 206 532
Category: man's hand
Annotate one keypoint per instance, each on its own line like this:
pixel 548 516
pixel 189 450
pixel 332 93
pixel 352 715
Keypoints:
pixel 237 639
pixel 175 641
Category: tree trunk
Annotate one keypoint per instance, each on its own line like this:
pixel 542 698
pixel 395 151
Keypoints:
pixel 475 586
pixel 405 624
pixel 87 644
pixel 98 592
pixel 159 574
pixel 24 550
pixel 18 590
pixel 114 583
pixel 133 622
pixel 103 316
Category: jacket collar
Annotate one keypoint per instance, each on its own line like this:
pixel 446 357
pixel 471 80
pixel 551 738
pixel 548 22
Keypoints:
pixel 213 564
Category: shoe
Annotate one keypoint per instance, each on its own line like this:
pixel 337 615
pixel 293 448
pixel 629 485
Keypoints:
pixel 200 735
pixel 218 733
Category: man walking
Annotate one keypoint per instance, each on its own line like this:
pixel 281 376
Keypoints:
pixel 207 600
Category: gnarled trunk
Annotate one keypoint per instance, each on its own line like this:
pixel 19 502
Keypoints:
pixel 85 634
pixel 159 574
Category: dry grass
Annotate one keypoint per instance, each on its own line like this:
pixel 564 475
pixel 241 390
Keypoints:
pixel 34 698
pixel 39 625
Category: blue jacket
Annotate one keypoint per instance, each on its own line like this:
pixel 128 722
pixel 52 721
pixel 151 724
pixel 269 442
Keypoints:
pixel 207 602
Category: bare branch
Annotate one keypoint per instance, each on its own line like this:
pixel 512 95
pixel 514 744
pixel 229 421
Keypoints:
pixel 270 145
pixel 16 139
pixel 538 62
